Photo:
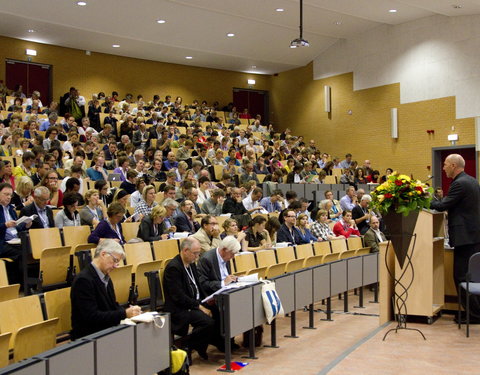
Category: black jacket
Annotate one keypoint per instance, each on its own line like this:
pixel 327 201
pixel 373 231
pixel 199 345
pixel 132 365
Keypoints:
pixel 37 223
pixel 209 272
pixel 94 307
pixel 463 205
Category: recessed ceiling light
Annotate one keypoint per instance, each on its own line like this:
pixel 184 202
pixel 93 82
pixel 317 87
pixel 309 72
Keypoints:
pixel 279 9
pixel 188 57
pixel 81 3
pixel 230 35
pixel 31 31
pixel 116 45
pixel 254 67
pixel 337 23
pixel 457 6
pixel 161 21
pixel 392 11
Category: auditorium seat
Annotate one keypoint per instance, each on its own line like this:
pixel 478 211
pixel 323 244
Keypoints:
pixel 322 248
pixel 130 230
pixel 57 305
pixel 4 350
pixel 354 243
pixel 141 280
pixel 165 250
pixel 244 262
pixel 9 292
pixel 122 281
pixel 338 246
pixel 35 339
pixel 137 253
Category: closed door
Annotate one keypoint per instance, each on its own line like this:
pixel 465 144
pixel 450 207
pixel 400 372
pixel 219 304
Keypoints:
pixel 32 76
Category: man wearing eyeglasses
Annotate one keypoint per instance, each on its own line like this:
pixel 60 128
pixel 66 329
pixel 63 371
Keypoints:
pixel 94 306
pixel 208 234
pixel 183 296
pixel 288 232
pixel 39 207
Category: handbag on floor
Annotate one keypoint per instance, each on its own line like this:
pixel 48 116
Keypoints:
pixel 271 301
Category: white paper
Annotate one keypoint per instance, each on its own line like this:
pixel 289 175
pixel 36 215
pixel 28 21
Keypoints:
pixel 25 219
pixel 181 235
pixel 241 282
pixel 253 278
pixel 15 241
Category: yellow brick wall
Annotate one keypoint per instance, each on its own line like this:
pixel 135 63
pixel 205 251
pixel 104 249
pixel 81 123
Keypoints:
pixel 298 102
pixel 90 74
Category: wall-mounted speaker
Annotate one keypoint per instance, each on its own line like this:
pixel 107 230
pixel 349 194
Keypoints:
pixel 394 122
pixel 327 99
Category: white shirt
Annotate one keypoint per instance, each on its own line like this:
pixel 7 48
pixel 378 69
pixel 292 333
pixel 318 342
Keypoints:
pixel 223 268
pixel 135 198
pixel 249 204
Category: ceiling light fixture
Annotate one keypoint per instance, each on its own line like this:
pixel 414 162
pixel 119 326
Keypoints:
pixel 338 23
pixel 300 42
pixel 81 3
pixel 30 52
pixel 116 45
pixel 279 10
pixel 31 31
pixel 392 11
pixel 457 6
pixel 161 21
pixel 230 35
pixel 188 57
pixel 254 67
pixel 251 81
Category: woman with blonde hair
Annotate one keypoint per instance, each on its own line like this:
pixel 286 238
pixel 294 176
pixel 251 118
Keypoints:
pixel 92 213
pixel 152 227
pixel 147 203
pixel 230 227
pixel 22 196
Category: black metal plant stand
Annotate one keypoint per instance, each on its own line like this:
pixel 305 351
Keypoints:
pixel 400 298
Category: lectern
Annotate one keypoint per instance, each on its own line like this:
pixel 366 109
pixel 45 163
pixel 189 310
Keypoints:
pixel 426 294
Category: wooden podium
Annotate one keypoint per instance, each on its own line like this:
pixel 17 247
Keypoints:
pixel 426 294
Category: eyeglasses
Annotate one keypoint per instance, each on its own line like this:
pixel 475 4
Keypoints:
pixel 290 216
pixel 115 260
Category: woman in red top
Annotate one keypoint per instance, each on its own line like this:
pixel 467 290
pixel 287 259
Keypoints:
pixel 346 226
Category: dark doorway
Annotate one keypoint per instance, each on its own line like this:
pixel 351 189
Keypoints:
pixel 255 100
pixel 31 76
pixel 438 156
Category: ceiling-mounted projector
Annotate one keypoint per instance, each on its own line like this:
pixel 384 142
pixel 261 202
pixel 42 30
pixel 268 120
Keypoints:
pixel 299 42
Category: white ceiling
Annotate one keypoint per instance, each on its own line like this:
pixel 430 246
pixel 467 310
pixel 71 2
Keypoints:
pixel 198 28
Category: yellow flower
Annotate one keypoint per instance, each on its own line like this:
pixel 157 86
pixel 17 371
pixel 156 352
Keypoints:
pixel 411 193
pixel 404 177
pixel 381 198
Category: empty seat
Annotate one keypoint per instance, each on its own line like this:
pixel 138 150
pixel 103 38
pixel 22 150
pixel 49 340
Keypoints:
pixel 338 246
pixel 275 270
pixel 44 238
pixel 322 248
pixel 35 339
pixel 57 305
pixel 362 251
pixel 304 251
pixel 266 258
pixel 244 262
pixel 330 257
pixel 8 292
pixel 76 237
pixel 165 249
pixel 4 351
pixel 354 243
pixel 141 280
pixel 285 254
pixel 122 281
pixel 136 253
pixel 130 230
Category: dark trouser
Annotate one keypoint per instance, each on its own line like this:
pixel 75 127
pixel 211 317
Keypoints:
pixel 15 267
pixel 203 328
pixel 461 256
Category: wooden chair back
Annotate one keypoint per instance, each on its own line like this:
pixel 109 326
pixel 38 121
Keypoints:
pixel 304 251
pixel 4 351
pixel 244 262
pixel 57 304
pixel 285 254
pixel 34 339
pixel 130 230
pixel 44 238
pixel 166 249
pixel 266 258
pixel 122 280
pixel 275 270
pixel 137 253
pixel 54 264
pixel 354 243
pixel 18 313
pixel 322 248
pixel 141 280
pixel 9 292
pixel 338 246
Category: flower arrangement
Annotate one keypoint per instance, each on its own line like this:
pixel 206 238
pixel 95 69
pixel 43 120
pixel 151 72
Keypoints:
pixel 401 194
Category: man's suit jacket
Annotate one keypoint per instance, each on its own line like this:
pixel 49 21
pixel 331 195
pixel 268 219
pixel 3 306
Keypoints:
pixel 371 240
pixel 94 307
pixel 463 205
pixel 283 235
pixel 209 271
pixel 38 223
pixel 3 228
pixel 180 295
pixel 183 224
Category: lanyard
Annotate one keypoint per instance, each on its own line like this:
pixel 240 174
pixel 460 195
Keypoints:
pixel 192 279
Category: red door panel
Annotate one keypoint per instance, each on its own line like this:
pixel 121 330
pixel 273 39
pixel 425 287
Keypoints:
pixel 470 166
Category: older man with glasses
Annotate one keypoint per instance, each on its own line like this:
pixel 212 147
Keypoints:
pixel 40 208
pixel 208 234
pixel 94 306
